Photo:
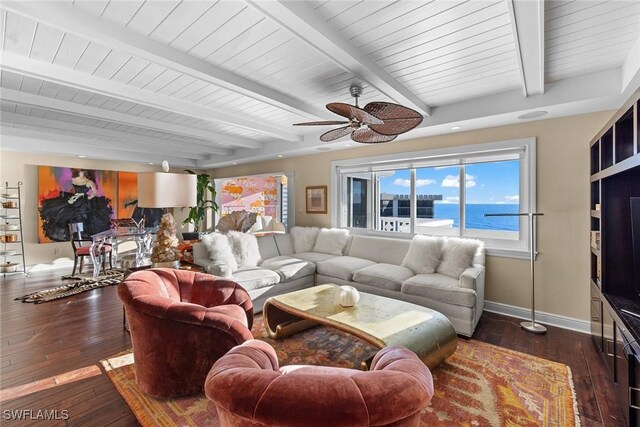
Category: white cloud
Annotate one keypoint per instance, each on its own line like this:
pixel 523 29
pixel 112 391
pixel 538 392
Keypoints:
pixel 407 182
pixel 402 182
pixel 450 199
pixel 424 182
pixel 515 198
pixel 454 181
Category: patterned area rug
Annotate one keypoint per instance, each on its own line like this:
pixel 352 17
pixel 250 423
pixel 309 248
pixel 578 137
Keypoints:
pixel 480 385
pixel 85 282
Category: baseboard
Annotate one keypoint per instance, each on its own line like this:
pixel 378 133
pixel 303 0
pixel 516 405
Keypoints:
pixel 557 320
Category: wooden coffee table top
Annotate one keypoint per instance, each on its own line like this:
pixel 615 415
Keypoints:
pixel 378 320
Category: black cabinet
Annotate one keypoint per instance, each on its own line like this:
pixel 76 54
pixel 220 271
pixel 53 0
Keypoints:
pixel 615 180
pixel 622 361
pixel 608 341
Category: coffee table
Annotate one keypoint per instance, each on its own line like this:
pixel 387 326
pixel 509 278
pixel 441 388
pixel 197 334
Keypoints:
pixel 378 320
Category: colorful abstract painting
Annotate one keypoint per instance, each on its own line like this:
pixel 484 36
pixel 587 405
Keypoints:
pixel 69 195
pixel 258 194
pixel 127 194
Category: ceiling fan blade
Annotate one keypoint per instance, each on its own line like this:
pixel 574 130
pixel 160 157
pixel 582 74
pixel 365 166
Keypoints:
pixel 397 118
pixel 353 112
pixel 325 123
pixel 336 134
pixel 369 136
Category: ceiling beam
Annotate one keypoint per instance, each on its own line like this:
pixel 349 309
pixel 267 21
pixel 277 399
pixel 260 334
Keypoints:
pixel 631 70
pixel 47 103
pixel 299 18
pixel 527 19
pixel 64 76
pixel 124 139
pixel 24 140
pixel 74 20
pixel 583 94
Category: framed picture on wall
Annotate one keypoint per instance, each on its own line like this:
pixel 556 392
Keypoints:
pixel 316 199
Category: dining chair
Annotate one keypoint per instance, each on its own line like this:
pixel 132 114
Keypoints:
pixel 82 246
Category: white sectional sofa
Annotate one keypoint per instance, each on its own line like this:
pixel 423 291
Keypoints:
pixel 370 264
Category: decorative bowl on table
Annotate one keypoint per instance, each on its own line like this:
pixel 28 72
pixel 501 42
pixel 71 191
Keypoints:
pixel 347 296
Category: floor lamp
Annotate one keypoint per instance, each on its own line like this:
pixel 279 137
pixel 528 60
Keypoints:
pixel 531 326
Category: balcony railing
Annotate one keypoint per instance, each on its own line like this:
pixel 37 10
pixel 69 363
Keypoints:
pixel 403 225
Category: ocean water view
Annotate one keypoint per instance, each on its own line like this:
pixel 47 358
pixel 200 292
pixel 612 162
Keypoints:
pixel 475 218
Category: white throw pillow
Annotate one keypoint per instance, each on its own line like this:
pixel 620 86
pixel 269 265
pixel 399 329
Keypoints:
pixel 245 248
pixel 457 256
pixel 331 241
pixel 219 249
pixel 424 254
pixel 304 238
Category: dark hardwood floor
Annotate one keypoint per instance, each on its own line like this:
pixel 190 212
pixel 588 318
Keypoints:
pixel 49 357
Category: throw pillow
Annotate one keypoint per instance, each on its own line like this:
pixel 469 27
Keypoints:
pixel 304 238
pixel 457 256
pixel 424 254
pixel 331 241
pixel 245 248
pixel 219 249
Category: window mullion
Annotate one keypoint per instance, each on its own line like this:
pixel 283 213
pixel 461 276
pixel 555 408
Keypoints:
pixel 462 195
pixel 375 201
pixel 413 205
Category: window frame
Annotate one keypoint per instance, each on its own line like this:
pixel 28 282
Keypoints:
pixel 510 248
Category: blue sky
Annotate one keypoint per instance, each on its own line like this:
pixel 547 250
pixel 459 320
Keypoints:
pixel 495 183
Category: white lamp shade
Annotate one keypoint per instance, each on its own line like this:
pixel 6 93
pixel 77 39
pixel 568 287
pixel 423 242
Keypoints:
pixel 166 190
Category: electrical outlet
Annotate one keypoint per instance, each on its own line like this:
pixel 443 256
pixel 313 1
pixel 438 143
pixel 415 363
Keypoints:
pixel 56 251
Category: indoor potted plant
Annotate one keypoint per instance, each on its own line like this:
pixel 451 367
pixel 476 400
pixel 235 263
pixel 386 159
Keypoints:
pixel 197 213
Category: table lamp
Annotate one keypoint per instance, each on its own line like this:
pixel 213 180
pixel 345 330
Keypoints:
pixel 166 190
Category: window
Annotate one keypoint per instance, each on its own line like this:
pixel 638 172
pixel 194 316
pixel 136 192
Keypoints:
pixel 441 192
pixel 265 195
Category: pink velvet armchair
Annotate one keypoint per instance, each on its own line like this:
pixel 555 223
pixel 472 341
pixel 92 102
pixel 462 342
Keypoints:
pixel 250 390
pixel 181 322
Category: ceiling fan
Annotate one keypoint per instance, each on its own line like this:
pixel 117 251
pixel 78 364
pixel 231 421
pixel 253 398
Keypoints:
pixel 376 122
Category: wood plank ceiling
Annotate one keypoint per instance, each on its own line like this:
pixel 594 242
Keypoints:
pixel 211 83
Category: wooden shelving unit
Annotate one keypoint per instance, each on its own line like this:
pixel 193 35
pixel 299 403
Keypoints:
pixel 615 178
pixel 11 236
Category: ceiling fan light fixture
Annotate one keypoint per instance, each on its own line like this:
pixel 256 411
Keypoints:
pixel 377 122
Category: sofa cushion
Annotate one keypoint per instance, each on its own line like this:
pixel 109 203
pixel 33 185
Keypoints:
pixel 245 248
pixel 314 257
pixel 289 268
pixel 219 249
pixel 267 246
pixel 379 249
pixel 284 243
pixel 457 256
pixel 255 277
pixel 424 254
pixel 385 276
pixel 343 267
pixel 439 287
pixel 304 238
pixel 331 241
